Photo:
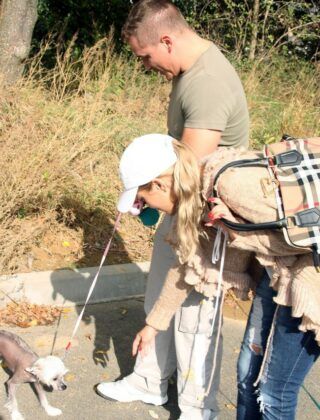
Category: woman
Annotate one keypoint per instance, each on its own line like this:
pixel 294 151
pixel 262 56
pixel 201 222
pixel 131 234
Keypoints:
pixel 164 174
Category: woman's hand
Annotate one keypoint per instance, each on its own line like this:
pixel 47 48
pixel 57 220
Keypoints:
pixel 219 211
pixel 144 340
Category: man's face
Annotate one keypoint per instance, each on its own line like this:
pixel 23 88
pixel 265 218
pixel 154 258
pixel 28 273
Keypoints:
pixel 154 57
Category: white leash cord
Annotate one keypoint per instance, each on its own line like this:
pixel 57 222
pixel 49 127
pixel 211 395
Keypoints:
pixel 216 246
pixel 218 301
pixel 215 258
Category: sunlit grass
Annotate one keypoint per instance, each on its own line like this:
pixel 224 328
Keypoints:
pixel 62 131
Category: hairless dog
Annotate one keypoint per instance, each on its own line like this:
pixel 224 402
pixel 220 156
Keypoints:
pixel 25 366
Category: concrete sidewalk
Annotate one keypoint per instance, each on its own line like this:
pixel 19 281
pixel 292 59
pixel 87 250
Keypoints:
pixel 105 336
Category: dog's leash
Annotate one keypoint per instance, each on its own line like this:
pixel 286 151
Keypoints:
pixel 106 251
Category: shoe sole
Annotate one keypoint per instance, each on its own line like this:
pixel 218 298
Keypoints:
pixel 146 401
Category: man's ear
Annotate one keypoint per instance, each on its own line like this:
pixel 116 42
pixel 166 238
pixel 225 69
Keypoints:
pixel 167 41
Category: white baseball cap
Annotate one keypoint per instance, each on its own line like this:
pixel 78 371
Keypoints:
pixel 144 159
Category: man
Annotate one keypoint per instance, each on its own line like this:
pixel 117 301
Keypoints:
pixel 207 108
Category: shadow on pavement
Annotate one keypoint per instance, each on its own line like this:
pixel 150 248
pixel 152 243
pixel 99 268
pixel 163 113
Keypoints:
pixel 114 331
pixel 97 230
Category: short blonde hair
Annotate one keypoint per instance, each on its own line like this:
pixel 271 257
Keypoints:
pixel 148 17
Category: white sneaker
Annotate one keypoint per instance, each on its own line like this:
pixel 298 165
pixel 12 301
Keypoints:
pixel 198 414
pixel 122 391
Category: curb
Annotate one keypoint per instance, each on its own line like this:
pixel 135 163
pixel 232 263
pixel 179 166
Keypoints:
pixel 70 287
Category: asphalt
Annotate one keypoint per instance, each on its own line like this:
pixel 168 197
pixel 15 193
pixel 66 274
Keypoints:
pixel 101 352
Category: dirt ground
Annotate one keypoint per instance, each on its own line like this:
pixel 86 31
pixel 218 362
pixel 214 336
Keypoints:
pixel 81 243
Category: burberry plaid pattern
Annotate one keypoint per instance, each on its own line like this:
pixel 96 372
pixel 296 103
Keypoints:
pixel 299 187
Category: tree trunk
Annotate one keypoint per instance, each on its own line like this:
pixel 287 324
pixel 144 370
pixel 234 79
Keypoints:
pixel 254 36
pixel 17 20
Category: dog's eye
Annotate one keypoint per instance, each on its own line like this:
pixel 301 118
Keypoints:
pixel 55 379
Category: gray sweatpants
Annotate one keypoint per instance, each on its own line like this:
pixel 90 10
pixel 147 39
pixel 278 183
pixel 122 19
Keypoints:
pixel 187 345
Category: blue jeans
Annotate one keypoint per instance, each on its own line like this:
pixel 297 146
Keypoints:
pixel 291 354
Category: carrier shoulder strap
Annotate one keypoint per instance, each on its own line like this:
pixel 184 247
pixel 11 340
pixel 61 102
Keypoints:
pixel 247 227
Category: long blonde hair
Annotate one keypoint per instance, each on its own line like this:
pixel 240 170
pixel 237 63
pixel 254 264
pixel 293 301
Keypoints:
pixel 186 187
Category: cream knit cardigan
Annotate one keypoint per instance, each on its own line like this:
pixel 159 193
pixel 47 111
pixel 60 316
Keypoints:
pixel 294 277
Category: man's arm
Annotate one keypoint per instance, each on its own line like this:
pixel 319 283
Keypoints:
pixel 202 142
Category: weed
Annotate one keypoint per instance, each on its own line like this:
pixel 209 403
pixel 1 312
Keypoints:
pixel 62 131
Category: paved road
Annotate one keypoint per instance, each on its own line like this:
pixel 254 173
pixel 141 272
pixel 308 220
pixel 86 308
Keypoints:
pixel 110 328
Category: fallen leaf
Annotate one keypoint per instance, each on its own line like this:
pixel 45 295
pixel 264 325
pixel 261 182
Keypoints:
pixel 41 343
pixel 3 364
pixel 69 377
pixel 23 324
pixel 230 406
pixel 153 414
pixel 101 352
pixel 66 310
pixel 188 375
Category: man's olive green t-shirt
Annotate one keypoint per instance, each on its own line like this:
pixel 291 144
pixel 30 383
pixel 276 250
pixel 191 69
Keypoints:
pixel 210 96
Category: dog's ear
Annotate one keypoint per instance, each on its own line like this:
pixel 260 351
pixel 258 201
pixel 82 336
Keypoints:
pixel 36 367
pixel 30 370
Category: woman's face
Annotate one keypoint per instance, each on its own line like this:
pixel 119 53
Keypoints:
pixel 160 195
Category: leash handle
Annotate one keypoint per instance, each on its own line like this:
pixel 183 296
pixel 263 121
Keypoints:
pixel 106 251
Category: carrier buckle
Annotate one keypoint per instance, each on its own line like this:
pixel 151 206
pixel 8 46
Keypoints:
pixel 289 158
pixel 308 217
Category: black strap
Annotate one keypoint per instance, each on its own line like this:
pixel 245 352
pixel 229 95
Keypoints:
pixel 316 259
pixel 249 227
pixel 259 162
pixel 282 159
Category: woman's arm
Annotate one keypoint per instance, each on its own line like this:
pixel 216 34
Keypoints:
pixel 174 292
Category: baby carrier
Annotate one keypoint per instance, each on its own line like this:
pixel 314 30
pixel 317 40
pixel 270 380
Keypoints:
pixel 294 169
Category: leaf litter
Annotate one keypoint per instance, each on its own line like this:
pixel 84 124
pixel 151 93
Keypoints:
pixel 24 314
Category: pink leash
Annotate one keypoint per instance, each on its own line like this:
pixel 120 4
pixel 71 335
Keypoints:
pixel 106 251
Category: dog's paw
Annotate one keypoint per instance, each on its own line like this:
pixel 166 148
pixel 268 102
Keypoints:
pixel 52 411
pixel 16 415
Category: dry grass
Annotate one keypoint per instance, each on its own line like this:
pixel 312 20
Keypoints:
pixel 61 134
pixel 283 98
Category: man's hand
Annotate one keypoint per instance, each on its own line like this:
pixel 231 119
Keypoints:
pixel 144 340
